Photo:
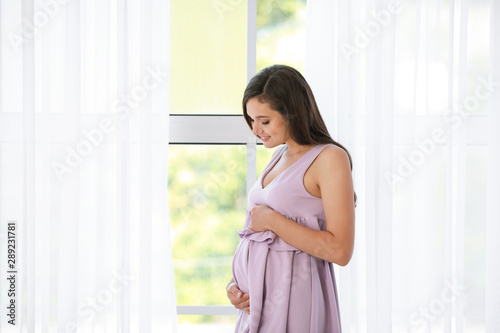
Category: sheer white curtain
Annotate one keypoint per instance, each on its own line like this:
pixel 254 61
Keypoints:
pixel 83 165
pixel 412 89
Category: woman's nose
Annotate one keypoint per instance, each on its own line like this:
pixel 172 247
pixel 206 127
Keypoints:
pixel 255 129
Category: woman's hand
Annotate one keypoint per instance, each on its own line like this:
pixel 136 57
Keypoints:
pixel 238 299
pixel 261 218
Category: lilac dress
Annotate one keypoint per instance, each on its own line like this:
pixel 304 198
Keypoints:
pixel 290 290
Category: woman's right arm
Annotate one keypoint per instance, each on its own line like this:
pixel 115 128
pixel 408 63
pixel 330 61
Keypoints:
pixel 238 299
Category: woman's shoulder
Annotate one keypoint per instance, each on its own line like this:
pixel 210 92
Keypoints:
pixel 331 149
pixel 330 164
pixel 332 155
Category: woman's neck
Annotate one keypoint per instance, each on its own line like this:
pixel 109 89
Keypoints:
pixel 295 149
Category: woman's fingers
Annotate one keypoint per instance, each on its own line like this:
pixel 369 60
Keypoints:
pixel 240 302
pixel 238 299
pixel 232 289
pixel 245 302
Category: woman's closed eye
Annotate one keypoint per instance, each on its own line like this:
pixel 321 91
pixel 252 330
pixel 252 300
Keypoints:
pixel 265 122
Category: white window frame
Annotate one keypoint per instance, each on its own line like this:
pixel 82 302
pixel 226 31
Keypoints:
pixel 214 129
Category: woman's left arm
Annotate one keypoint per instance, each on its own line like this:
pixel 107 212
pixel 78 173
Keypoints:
pixel 333 176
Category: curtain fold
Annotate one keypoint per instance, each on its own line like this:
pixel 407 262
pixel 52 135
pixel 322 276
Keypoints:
pixel 84 102
pixel 408 88
pixel 492 283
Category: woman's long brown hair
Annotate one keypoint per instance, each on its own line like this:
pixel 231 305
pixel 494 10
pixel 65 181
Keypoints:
pixel 286 91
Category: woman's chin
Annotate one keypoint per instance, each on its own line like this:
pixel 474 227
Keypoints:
pixel 269 144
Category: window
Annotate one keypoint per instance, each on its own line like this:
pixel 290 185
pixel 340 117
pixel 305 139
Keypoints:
pixel 214 158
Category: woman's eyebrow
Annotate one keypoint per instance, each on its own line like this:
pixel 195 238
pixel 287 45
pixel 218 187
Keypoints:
pixel 258 117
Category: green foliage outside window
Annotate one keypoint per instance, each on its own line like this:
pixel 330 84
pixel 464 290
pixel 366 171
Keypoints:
pixel 207 205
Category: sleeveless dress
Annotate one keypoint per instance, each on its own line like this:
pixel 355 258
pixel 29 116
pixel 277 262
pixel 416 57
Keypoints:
pixel 290 290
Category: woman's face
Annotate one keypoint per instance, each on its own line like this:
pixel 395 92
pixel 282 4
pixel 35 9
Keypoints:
pixel 268 125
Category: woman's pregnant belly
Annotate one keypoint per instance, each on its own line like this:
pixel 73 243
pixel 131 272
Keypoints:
pixel 240 265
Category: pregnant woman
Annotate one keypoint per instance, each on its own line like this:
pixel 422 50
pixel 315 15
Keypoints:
pixel 300 214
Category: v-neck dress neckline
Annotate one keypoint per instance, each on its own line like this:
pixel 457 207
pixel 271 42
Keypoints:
pixel 273 164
